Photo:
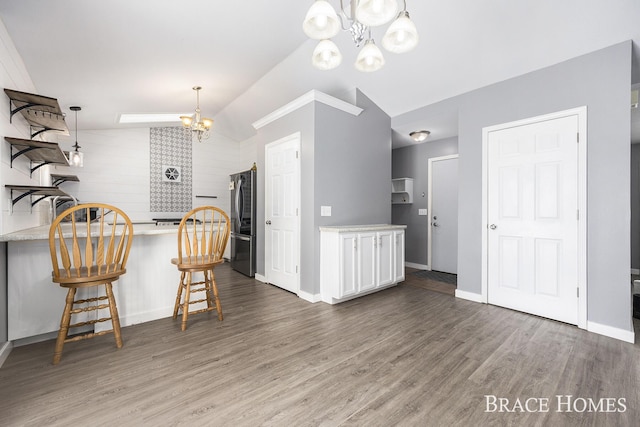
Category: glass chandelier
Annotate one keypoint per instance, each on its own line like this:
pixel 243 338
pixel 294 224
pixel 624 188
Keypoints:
pixel 198 125
pixel 322 23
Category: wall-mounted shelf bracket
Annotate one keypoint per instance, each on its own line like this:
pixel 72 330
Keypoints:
pixel 39 192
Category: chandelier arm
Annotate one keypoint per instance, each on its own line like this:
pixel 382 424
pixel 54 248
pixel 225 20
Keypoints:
pixel 343 15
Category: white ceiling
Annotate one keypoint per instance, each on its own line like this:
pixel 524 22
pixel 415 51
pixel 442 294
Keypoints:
pixel 251 57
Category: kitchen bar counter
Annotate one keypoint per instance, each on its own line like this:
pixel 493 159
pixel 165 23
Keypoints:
pixel 42 232
pixel 146 292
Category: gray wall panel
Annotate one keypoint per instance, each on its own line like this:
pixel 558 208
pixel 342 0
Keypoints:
pixel 412 162
pixel 601 81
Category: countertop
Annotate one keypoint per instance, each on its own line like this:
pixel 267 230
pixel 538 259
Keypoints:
pixel 42 232
pixel 360 228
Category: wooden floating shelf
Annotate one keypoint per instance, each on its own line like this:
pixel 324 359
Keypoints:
pixel 40 152
pixel 59 179
pixel 41 112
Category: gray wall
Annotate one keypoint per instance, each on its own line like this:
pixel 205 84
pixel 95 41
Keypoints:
pixel 635 206
pixel 412 162
pixel 345 164
pixel 600 80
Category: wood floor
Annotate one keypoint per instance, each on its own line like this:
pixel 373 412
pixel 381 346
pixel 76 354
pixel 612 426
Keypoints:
pixel 405 356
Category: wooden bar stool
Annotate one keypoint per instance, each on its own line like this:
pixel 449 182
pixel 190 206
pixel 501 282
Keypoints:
pixel 202 238
pixel 87 254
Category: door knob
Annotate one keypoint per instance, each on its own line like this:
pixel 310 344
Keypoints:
pixel 435 224
pixel 268 222
pixel 493 226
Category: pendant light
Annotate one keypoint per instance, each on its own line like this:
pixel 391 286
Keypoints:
pixel 76 158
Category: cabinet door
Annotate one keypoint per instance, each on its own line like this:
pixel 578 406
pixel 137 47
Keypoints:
pixel 367 261
pixel 348 265
pixel 385 248
pixel 398 262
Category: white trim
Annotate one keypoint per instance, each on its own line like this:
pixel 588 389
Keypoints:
pixel 430 199
pixel 611 332
pixel 635 271
pixel 418 266
pixel 260 278
pixel 312 95
pixel 581 112
pixel 5 350
pixel 147 316
pixel 469 296
pixel 307 296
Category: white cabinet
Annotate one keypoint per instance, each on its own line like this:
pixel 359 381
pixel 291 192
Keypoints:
pixel 358 260
pixel 402 190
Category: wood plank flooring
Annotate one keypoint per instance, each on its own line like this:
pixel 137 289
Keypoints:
pixel 406 356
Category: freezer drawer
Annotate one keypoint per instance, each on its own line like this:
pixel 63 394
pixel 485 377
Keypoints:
pixel 243 254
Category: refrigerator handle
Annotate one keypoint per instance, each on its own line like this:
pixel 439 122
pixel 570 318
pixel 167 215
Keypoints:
pixel 238 201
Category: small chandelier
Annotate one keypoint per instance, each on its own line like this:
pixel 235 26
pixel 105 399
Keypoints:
pixel 322 22
pixel 76 158
pixel 199 126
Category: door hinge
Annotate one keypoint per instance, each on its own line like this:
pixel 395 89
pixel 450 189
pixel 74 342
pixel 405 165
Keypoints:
pixel 578 214
pixel 296 211
pixel 296 269
pixel 578 292
pixel 578 137
pixel 296 154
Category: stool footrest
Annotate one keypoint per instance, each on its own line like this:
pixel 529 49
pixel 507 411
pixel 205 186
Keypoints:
pixel 89 322
pixel 92 308
pixel 88 335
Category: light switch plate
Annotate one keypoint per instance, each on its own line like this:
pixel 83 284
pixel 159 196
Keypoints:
pixel 422 212
pixel 325 210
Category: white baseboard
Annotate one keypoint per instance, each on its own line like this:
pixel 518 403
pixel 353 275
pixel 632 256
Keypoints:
pixel 418 266
pixel 469 296
pixel 611 332
pixel 147 316
pixel 4 351
pixel 260 278
pixel 635 271
pixel 309 296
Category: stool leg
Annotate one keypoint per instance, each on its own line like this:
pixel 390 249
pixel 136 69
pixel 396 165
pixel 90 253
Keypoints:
pixel 215 295
pixel 208 290
pixel 115 320
pixel 185 306
pixel 176 307
pixel 64 325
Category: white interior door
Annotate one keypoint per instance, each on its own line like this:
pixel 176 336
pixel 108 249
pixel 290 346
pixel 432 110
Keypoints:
pixel 532 218
pixel 442 248
pixel 282 207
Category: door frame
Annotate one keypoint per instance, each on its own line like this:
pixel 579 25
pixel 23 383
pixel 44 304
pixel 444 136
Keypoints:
pixel 296 138
pixel 581 112
pixel 430 202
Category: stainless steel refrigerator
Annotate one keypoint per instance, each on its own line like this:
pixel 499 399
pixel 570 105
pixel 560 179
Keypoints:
pixel 243 222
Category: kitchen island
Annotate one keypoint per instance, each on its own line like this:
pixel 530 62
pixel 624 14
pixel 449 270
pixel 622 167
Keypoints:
pixel 146 292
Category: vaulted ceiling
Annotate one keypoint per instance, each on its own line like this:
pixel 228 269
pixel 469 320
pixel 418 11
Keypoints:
pixel 251 57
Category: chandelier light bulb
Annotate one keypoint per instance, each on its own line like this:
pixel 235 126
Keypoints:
pixel 321 21
pixel 373 13
pixel 370 57
pixel 402 35
pixel 326 55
